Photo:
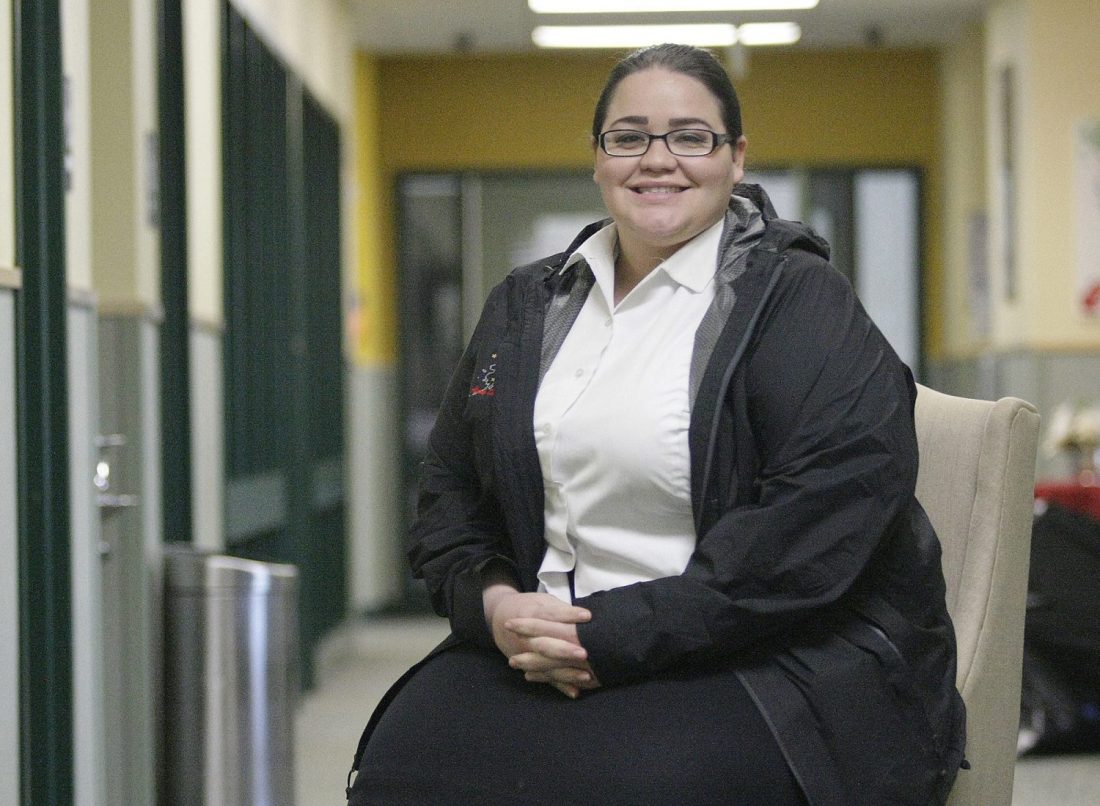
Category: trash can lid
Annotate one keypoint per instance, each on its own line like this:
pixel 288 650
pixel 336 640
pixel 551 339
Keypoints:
pixel 188 568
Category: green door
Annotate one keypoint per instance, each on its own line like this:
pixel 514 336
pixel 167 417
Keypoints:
pixel 283 343
pixel 45 634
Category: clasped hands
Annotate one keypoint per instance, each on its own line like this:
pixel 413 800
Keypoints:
pixel 537 632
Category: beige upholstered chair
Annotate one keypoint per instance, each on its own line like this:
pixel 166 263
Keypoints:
pixel 976 481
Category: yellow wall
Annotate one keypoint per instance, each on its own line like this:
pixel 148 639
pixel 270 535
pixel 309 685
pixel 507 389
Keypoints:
pixel 1063 48
pixel 1006 47
pixel 852 108
pixel 7 168
pixel 76 64
pixel 373 306
pixel 202 116
pixel 964 200
pixel 125 243
pixel 1052 46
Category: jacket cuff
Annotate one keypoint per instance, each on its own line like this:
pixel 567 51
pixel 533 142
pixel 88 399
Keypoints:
pixel 467 610
pixel 615 658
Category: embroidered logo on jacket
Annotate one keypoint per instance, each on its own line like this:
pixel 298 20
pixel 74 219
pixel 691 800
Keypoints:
pixel 486 380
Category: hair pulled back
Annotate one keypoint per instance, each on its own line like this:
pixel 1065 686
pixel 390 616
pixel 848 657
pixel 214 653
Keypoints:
pixel 686 59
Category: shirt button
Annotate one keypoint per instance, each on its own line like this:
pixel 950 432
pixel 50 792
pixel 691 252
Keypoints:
pixel 607 323
pixel 579 373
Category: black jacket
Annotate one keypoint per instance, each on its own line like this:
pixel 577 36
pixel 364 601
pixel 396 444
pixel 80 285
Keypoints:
pixel 815 567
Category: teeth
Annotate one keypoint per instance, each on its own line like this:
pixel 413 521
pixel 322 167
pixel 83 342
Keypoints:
pixel 659 190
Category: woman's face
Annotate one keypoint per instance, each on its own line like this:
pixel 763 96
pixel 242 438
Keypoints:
pixel 658 200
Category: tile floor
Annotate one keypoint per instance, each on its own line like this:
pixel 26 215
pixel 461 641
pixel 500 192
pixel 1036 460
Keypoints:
pixel 360 661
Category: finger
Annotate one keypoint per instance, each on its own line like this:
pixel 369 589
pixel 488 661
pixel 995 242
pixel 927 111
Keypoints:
pixel 552 609
pixel 542 654
pixel 564 674
pixel 535 662
pixel 534 628
pixel 588 685
pixel 557 648
pixel 570 691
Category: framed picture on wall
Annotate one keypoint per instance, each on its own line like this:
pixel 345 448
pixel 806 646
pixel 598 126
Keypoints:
pixel 1008 178
pixel 1086 191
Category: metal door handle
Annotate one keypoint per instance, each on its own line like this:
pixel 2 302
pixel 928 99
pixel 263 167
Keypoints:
pixel 110 502
pixel 110 441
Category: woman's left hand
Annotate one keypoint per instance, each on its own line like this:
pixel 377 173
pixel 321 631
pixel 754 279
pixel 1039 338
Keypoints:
pixel 543 662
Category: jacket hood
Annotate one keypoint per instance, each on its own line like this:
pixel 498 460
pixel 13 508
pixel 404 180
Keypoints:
pixel 781 234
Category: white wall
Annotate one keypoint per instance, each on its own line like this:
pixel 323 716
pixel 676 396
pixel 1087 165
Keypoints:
pixel 88 726
pixel 9 546
pixel 207 439
pixel 89 773
pixel 9 559
pixel 375 565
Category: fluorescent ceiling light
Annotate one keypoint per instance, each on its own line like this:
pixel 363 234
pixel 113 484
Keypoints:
pixel 629 6
pixel 752 34
pixel 632 36
pixel 768 33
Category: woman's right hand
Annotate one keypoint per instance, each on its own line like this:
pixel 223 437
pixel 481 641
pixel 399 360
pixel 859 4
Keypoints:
pixel 537 632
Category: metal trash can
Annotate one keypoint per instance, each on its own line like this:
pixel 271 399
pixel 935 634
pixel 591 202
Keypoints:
pixel 231 680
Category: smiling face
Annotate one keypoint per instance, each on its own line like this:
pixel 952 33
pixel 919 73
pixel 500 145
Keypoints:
pixel 660 201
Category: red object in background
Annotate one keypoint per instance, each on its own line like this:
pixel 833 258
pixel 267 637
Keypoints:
pixel 1090 300
pixel 1080 495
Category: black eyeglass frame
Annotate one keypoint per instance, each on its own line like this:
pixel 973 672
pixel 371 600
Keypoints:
pixel 717 140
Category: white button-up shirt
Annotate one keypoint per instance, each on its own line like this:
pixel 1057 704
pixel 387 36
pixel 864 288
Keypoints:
pixel 611 424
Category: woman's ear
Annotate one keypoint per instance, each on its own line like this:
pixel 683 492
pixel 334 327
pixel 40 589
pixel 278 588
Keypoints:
pixel 737 149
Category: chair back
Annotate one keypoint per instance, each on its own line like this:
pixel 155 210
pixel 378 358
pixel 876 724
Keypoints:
pixel 976 481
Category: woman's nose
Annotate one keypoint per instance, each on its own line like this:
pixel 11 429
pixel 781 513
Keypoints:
pixel 658 157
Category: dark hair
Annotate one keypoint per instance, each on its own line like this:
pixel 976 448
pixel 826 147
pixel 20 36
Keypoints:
pixel 686 59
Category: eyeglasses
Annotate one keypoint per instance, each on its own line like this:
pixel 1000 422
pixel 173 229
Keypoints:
pixel 681 142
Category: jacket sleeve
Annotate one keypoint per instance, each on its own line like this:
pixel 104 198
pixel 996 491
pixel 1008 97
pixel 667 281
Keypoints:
pixel 458 533
pixel 829 407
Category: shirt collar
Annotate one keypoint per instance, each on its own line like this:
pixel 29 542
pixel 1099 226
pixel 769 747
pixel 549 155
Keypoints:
pixel 693 265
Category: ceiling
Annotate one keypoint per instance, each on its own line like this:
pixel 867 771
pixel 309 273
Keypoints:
pixel 504 26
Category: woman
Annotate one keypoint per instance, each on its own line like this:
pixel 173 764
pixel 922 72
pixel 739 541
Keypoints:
pixel 672 480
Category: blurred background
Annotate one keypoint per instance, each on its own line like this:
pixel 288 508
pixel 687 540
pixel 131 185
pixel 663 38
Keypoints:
pixel 242 245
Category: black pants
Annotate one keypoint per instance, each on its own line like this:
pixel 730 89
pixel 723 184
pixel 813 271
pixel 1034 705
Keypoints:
pixel 467 729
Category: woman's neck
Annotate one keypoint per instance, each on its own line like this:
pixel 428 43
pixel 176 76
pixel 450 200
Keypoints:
pixel 632 265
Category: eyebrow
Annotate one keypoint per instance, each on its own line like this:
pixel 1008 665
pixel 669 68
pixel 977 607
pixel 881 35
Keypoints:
pixel 642 120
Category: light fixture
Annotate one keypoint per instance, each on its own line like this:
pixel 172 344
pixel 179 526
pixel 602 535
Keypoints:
pixel 752 34
pixel 640 6
pixel 632 36
pixel 755 34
